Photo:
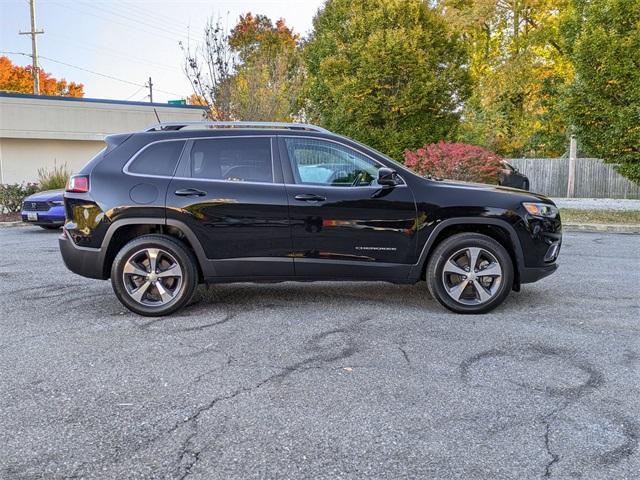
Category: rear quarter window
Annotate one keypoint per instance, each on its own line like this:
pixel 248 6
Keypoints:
pixel 157 159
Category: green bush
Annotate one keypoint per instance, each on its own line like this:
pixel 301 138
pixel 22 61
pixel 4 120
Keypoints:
pixel 53 179
pixel 11 196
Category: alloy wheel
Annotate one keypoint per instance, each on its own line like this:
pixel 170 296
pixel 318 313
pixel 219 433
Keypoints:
pixel 472 276
pixel 152 277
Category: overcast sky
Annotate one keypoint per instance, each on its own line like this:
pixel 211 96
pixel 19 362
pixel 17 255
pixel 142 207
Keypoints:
pixel 128 39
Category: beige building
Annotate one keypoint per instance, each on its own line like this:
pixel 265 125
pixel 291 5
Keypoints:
pixel 40 131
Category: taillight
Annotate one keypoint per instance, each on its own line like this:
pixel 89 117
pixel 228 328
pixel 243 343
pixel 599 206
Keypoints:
pixel 78 184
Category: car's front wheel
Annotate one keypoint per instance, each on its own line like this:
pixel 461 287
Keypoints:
pixel 470 273
pixel 154 275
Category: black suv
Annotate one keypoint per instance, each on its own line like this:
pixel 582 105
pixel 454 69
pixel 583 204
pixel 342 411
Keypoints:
pixel 163 210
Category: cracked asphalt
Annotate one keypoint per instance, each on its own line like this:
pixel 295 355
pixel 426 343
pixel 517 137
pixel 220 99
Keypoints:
pixel 321 381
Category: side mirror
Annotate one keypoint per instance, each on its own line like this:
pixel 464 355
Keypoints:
pixel 387 177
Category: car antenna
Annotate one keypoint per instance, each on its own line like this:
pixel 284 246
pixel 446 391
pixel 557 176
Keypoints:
pixel 157 116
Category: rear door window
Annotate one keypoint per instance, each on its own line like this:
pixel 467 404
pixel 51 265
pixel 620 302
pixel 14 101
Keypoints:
pixel 158 159
pixel 245 159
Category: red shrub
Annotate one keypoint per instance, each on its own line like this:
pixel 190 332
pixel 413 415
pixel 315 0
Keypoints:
pixel 455 161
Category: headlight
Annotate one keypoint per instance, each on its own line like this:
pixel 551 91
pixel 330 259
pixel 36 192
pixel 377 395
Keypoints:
pixel 541 210
pixel 56 203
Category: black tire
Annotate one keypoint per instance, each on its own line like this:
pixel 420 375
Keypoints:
pixel 174 248
pixel 525 185
pixel 449 247
pixel 50 227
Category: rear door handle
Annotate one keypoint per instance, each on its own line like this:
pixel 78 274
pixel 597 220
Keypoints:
pixel 190 192
pixel 309 197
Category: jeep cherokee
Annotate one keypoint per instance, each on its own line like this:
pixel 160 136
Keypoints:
pixel 179 204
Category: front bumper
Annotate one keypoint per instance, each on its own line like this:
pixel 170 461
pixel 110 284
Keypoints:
pixel 533 274
pixel 54 216
pixel 84 261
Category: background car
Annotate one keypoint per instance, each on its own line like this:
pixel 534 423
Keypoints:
pixel 44 209
pixel 509 176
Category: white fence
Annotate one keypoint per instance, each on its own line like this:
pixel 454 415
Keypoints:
pixel 593 178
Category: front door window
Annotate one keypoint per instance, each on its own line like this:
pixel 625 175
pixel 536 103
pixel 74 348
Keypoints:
pixel 319 162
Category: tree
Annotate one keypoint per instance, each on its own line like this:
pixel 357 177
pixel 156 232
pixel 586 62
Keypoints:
pixel 386 72
pixel 251 73
pixel 603 101
pixel 267 82
pixel 520 73
pixel 16 79
pixel 209 69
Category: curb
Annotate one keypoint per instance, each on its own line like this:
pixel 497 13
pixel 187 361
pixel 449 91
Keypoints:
pixel 600 228
pixel 17 223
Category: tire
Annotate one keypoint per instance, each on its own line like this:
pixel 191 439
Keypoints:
pixel 525 185
pixel 171 287
pixel 490 256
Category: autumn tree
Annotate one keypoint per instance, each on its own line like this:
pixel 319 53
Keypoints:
pixel 17 79
pixel 520 72
pixel 252 72
pixel 267 83
pixel 604 41
pixel 389 73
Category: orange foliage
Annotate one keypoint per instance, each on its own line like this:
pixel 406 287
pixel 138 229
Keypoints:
pixel 16 79
pixel 195 99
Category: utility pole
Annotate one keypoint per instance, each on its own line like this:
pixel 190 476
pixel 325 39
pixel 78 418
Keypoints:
pixel 150 86
pixel 571 183
pixel 34 47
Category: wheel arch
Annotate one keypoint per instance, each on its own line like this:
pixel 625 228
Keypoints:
pixel 500 230
pixel 122 231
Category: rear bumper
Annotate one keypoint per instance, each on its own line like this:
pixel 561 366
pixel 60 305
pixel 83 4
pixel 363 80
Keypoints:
pixel 84 261
pixel 533 274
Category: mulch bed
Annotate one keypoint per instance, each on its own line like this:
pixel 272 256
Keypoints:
pixel 10 217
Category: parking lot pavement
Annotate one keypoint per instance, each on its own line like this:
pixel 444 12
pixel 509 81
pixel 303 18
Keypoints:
pixel 329 380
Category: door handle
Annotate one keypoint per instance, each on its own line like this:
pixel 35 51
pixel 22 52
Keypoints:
pixel 190 192
pixel 309 197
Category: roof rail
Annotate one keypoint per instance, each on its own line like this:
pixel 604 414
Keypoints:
pixel 165 126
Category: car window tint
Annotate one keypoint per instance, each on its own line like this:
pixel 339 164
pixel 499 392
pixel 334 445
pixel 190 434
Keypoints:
pixel 158 159
pixel 319 162
pixel 232 159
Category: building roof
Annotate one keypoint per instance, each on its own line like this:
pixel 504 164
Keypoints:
pixel 93 100
pixel 72 118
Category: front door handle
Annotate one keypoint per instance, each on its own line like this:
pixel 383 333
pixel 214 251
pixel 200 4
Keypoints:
pixel 190 192
pixel 309 197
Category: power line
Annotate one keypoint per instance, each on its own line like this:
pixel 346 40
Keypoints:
pixel 129 26
pixel 109 52
pixel 139 21
pixel 134 93
pixel 93 72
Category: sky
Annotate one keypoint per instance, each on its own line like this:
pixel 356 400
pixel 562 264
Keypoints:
pixel 129 40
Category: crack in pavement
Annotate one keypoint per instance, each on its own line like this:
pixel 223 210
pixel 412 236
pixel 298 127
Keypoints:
pixel 570 394
pixel 194 454
pixel 554 456
pixel 405 355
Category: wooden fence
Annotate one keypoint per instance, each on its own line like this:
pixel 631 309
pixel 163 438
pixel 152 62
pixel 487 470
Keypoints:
pixel 594 178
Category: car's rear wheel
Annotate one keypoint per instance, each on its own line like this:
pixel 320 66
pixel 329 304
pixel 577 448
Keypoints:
pixel 154 275
pixel 470 273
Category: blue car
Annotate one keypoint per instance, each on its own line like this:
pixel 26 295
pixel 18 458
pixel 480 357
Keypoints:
pixel 45 209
